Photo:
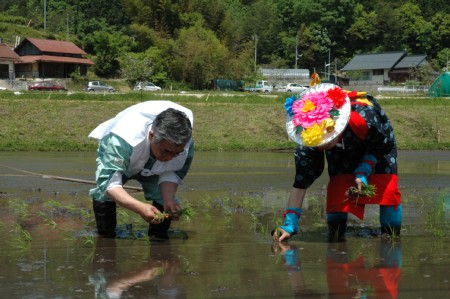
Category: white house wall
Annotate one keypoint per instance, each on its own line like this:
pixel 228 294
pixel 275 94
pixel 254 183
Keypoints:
pixel 10 67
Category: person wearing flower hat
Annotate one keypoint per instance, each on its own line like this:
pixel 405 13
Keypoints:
pixel 150 142
pixel 355 136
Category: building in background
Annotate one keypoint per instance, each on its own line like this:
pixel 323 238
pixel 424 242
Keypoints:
pixel 383 68
pixel 44 58
pixel 280 77
pixel 7 59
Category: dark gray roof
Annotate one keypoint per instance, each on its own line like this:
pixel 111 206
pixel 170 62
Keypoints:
pixel 374 61
pixel 412 61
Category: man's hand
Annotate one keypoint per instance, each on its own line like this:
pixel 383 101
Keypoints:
pixel 168 190
pixel 147 211
pixel 150 213
pixel 171 207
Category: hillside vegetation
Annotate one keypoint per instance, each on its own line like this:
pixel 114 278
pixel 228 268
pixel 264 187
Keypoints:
pixel 187 43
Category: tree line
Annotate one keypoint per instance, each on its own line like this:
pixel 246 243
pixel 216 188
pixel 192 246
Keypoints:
pixel 190 42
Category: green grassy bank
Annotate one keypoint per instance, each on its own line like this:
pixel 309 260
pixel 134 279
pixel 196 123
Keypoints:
pixel 240 121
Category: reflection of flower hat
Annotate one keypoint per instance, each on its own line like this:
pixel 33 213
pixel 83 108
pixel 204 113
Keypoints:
pixel 318 115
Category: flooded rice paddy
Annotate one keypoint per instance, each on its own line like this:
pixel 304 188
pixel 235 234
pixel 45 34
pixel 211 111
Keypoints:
pixel 49 248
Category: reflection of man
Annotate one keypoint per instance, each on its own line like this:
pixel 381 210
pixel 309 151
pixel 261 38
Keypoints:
pixel 149 142
pixel 355 279
pixel 162 269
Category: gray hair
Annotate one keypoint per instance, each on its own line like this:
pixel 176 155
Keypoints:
pixel 173 126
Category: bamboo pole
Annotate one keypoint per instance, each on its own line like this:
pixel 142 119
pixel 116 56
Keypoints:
pixel 61 178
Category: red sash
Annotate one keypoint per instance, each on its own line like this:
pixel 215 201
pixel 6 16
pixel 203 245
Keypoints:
pixel 387 193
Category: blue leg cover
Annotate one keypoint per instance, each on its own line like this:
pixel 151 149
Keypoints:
pixel 292 260
pixel 391 219
pixel 291 222
pixel 390 254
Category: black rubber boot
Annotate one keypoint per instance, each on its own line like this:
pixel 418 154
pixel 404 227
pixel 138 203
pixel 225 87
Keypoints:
pixel 336 231
pixel 105 217
pixel 158 232
pixel 337 224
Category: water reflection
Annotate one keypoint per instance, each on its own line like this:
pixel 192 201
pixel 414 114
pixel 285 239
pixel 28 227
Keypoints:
pixel 157 276
pixel 356 278
pixel 292 262
pixel 227 254
pixel 348 274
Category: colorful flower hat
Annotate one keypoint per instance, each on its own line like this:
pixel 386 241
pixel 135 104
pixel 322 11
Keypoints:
pixel 318 115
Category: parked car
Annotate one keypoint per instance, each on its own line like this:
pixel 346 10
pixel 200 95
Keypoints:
pixel 225 84
pixel 94 86
pixel 48 86
pixel 260 86
pixel 293 88
pixel 146 86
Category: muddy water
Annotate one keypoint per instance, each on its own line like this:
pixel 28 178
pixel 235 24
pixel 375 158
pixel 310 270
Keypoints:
pixel 49 249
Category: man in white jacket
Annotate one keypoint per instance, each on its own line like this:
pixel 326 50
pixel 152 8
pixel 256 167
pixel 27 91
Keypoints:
pixel 150 142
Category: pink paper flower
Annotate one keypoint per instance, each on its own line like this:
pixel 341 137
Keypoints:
pixel 312 109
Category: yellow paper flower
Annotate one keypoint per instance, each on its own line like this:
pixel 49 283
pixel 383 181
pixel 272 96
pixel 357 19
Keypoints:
pixel 329 124
pixel 361 94
pixel 312 136
pixel 365 101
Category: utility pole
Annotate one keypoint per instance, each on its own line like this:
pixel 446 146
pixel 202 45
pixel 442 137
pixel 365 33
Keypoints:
pixel 296 50
pixel 447 63
pixel 335 71
pixel 297 56
pixel 327 73
pixel 67 26
pixel 255 38
pixel 329 63
pixel 45 15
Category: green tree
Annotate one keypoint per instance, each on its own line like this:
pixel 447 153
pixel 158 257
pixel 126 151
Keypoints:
pixel 442 60
pixel 112 11
pixel 231 31
pixel 388 26
pixel 363 31
pixel 416 32
pixel 212 11
pixel 431 8
pixel 314 45
pixel 440 34
pixel 145 66
pixel 143 37
pixel 424 74
pixel 108 47
pixel 198 57
pixel 262 22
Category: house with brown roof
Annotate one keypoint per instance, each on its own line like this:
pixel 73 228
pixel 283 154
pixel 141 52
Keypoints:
pixel 7 59
pixel 44 58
